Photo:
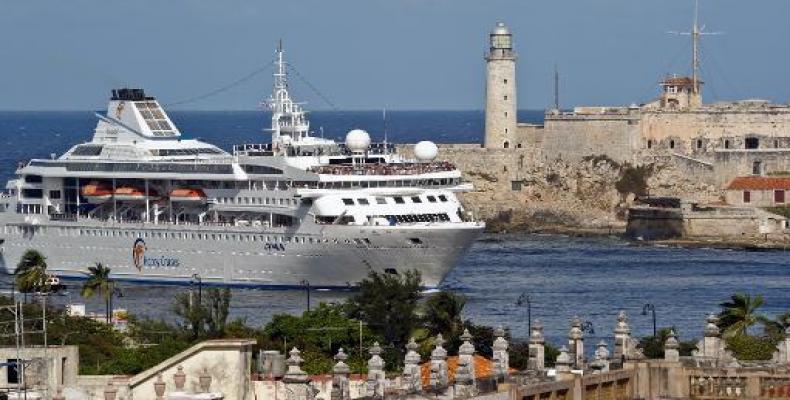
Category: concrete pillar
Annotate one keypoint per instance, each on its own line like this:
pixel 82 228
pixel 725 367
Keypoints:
pixel 412 374
pixel 537 349
pixel 465 374
pixel 376 378
pixel 439 376
pixel 782 354
pixel 601 359
pixel 622 338
pixel 563 364
pixel 297 382
pixel 671 348
pixel 500 355
pixel 340 373
pixel 576 342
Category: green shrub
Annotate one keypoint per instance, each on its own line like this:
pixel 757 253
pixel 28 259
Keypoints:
pixel 751 348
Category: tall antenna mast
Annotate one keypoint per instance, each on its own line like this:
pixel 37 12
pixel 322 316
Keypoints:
pixel 695 33
pixel 556 88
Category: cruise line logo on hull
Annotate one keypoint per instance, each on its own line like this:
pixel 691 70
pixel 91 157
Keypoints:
pixel 140 260
pixel 138 253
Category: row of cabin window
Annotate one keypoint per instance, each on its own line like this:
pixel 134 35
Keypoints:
pixel 257 201
pixel 397 199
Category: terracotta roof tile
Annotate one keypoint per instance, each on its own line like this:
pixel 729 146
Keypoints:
pixel 760 183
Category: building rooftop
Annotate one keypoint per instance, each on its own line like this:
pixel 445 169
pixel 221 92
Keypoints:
pixel 760 183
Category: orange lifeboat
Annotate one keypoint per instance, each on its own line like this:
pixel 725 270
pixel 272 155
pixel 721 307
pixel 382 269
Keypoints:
pixel 131 193
pixel 187 195
pixel 96 192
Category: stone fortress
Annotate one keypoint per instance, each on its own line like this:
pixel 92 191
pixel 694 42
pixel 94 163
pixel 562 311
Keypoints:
pixel 563 172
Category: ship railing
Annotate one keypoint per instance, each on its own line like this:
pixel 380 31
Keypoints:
pixel 385 169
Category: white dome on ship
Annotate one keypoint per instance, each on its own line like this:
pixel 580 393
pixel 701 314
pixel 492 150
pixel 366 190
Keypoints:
pixel 357 140
pixel 426 150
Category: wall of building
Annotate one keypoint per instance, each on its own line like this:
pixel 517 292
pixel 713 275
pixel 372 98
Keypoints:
pixel 573 137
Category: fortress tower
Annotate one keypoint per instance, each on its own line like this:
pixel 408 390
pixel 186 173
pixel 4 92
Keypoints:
pixel 500 90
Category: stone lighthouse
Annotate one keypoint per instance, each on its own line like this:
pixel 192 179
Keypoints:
pixel 501 119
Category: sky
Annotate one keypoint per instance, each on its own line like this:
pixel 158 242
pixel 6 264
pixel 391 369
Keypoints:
pixel 374 54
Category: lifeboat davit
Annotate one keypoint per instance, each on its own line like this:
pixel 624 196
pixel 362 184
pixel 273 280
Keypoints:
pixel 188 196
pixel 96 192
pixel 131 193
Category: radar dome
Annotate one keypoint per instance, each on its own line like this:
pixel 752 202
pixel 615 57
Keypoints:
pixel 357 140
pixel 426 150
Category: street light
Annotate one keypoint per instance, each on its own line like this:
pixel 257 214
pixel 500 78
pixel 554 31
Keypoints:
pixel 524 298
pixel 197 279
pixel 651 308
pixel 306 284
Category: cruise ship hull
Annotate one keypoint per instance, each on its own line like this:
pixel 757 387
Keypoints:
pixel 332 257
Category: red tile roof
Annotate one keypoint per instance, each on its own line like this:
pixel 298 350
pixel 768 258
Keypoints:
pixel 760 183
pixel 678 81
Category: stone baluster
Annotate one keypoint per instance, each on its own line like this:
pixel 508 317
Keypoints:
pixel 601 359
pixel 500 355
pixel 537 349
pixel 782 354
pixel 412 374
pixel 159 387
pixel 297 382
pixel 204 381
pixel 439 375
pixel 340 374
pixel 465 373
pixel 59 394
pixel 576 342
pixel 179 379
pixel 622 338
pixel 110 391
pixel 672 348
pixel 563 364
pixel 376 378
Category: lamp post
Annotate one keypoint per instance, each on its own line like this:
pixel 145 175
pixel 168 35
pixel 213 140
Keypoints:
pixel 523 299
pixel 197 279
pixel 651 308
pixel 306 284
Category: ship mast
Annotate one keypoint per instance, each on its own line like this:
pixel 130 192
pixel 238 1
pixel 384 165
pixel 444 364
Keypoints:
pixel 695 34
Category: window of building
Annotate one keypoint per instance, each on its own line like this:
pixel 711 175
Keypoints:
pixel 699 143
pixel 416 199
pixel 54 194
pixel 727 144
pixel 747 196
pixel 671 144
pixel 363 202
pixel 399 200
pixel 505 114
pixel 504 81
pixel 752 143
pixel 779 196
pixel 649 144
pixel 507 144
pixel 516 185
pixel 505 97
pixel 757 168
pixel 431 199
pixel 776 144
pixel 518 145
pixel 381 200
pixel 442 198
pixel 348 202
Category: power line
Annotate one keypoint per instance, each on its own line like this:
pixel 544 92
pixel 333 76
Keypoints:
pixel 313 88
pixel 223 88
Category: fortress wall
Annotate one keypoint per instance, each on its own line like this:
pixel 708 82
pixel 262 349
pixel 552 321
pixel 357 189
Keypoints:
pixel 529 135
pixel 731 163
pixel 573 138
pixel 716 126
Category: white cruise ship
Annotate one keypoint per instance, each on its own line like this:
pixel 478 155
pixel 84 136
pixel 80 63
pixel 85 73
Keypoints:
pixel 302 210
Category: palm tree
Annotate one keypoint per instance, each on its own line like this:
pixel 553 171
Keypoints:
pixel 99 282
pixel 443 314
pixel 740 313
pixel 31 271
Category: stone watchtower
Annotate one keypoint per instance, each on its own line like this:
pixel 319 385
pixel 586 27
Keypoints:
pixel 500 90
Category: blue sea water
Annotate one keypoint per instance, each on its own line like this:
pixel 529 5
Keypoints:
pixel 564 276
